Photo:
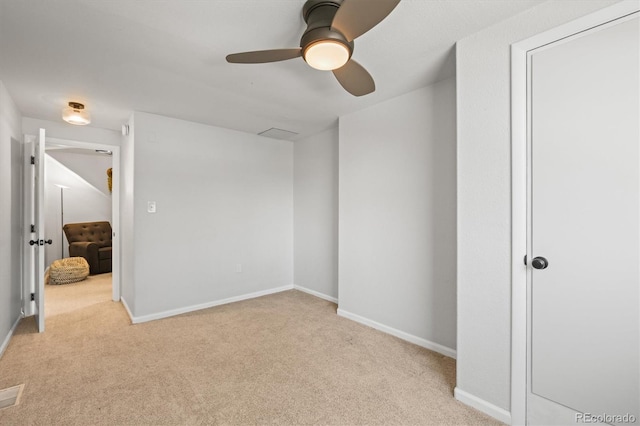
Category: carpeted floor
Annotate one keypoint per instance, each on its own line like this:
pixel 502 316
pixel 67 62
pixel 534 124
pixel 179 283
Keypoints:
pixel 64 299
pixel 286 358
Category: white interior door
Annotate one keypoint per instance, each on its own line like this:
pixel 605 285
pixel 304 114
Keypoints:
pixel 583 363
pixel 39 228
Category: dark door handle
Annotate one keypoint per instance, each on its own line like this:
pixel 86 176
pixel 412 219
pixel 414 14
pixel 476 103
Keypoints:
pixel 540 262
pixel 41 242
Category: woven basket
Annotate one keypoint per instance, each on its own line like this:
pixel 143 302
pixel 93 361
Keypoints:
pixel 68 270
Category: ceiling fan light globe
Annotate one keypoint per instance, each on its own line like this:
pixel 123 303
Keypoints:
pixel 327 55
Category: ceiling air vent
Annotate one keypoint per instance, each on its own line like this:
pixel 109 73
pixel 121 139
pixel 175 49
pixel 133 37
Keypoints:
pixel 278 134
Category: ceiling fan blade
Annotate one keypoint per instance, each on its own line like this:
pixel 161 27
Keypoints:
pixel 355 79
pixel 263 56
pixel 356 17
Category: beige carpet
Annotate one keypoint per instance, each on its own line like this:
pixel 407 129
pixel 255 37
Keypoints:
pixel 66 298
pixel 286 358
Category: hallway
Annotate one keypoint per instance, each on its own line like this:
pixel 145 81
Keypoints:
pixel 67 298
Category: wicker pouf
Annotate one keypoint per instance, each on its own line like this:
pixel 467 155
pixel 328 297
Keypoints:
pixel 68 270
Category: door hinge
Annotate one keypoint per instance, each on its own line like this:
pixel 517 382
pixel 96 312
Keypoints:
pixel 33 228
pixel 33 297
pixel 33 159
pixel 525 260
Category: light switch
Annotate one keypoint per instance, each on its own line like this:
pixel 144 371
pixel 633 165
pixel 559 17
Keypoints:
pixel 151 206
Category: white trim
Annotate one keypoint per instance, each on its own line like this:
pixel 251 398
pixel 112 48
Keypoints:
pixel 126 307
pixel 115 204
pixel 115 215
pixel 27 220
pixel 518 235
pixel 5 342
pixel 519 133
pixel 115 221
pixel 186 309
pixel 316 293
pixel 400 334
pixel 480 404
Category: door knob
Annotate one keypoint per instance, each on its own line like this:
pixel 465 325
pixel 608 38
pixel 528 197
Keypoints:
pixel 540 262
pixel 49 241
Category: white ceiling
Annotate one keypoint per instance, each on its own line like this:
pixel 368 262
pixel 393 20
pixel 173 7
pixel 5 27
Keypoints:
pixel 168 57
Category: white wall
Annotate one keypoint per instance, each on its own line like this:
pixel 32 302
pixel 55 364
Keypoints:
pixel 11 243
pixel 87 164
pixel 484 203
pixel 397 215
pixel 224 198
pixel 315 199
pixel 82 201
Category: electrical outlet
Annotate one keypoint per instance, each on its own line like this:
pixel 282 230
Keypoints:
pixel 151 206
pixel 239 267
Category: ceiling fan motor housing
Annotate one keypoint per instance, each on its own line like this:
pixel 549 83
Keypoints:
pixel 318 14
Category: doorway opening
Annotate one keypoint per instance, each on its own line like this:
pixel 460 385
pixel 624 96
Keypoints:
pixel 80 185
pixel 77 190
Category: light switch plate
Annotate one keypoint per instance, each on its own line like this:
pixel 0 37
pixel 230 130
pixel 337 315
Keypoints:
pixel 151 206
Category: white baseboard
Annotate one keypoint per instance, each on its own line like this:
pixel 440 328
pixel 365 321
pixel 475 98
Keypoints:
pixel 316 293
pixel 401 334
pixel 126 307
pixel 482 405
pixel 184 310
pixel 6 340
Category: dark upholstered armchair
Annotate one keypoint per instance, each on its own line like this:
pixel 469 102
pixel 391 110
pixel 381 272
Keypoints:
pixel 91 240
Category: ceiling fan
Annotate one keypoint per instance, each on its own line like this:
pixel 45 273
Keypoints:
pixel 327 43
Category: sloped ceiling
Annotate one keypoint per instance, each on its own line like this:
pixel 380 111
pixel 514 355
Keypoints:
pixel 168 57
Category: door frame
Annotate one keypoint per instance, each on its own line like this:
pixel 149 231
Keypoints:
pixel 519 183
pixel 115 213
pixel 28 265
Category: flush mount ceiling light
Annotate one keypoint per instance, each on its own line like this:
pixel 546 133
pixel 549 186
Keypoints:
pixel 76 114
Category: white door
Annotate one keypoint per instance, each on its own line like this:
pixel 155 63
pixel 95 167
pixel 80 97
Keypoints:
pixel 40 237
pixel 584 228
